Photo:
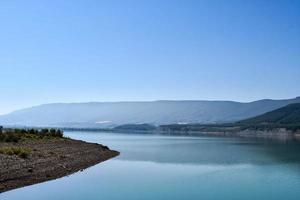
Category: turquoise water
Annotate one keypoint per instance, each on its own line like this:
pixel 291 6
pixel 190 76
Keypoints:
pixel 169 167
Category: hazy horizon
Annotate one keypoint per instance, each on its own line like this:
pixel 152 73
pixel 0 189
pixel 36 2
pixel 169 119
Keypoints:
pixel 125 101
pixel 90 51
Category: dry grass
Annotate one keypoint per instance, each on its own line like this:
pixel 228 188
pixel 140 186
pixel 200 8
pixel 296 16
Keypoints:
pixel 22 152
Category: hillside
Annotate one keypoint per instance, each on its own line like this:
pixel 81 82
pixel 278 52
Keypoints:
pixel 135 127
pixel 287 117
pixel 289 114
pixel 111 114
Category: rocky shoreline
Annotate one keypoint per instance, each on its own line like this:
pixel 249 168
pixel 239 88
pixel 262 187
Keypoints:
pixel 48 160
pixel 273 134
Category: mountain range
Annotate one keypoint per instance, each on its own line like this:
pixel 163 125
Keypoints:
pixel 111 114
pixel 287 115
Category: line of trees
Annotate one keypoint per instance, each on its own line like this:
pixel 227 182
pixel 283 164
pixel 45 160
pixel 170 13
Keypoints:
pixel 15 135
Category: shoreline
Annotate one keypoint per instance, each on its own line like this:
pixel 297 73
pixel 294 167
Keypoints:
pixel 49 160
pixel 272 134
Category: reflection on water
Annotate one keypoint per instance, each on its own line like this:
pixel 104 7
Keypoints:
pixel 165 167
pixel 202 150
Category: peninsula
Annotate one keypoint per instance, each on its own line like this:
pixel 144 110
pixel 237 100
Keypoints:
pixel 33 156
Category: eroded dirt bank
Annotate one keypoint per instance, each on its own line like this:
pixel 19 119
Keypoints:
pixel 47 160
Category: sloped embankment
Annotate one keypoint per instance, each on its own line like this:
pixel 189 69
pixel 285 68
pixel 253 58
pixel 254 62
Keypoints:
pixel 47 160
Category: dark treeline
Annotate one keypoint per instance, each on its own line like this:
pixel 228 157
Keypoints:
pixel 226 127
pixel 15 135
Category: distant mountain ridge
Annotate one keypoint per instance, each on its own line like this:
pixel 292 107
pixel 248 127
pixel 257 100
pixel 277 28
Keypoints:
pixel 111 114
pixel 286 115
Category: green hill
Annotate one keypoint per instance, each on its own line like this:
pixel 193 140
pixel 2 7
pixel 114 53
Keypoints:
pixel 288 115
pixel 135 127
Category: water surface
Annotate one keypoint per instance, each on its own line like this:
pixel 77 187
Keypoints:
pixel 175 167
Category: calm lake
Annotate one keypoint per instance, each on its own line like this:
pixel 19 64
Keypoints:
pixel 174 167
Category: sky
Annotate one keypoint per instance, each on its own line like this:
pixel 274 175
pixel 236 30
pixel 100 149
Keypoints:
pixel 143 50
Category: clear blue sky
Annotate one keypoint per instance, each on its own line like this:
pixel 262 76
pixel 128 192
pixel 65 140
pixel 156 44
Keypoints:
pixel 116 50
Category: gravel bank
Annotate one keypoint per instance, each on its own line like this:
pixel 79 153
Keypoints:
pixel 49 159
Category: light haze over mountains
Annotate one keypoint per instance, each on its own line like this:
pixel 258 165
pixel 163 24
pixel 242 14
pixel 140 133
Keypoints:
pixel 110 114
pixel 138 50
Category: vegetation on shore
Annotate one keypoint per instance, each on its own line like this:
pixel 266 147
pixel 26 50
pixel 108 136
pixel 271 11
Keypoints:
pixel 22 152
pixel 19 135
pixel 16 135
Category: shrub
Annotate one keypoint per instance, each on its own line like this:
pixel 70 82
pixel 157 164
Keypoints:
pixel 44 131
pixel 22 152
pixel 9 137
pixel 15 135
